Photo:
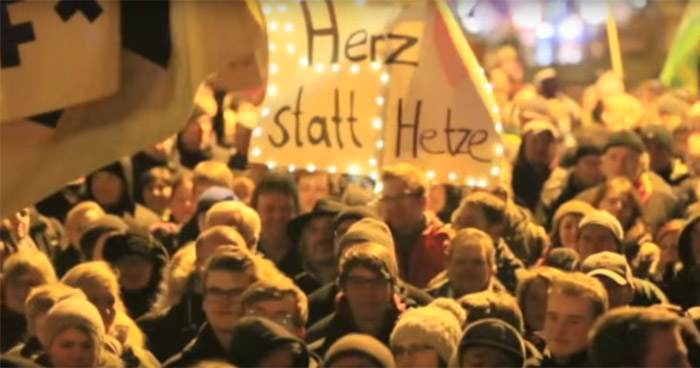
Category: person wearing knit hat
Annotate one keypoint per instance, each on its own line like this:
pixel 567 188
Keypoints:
pixel 599 231
pixel 425 337
pixel 358 350
pixel 490 343
pixel 660 146
pixel 72 334
pixel 348 216
pixel 362 230
pixel 197 223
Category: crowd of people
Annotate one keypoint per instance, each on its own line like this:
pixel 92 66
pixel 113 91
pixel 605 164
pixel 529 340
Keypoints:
pixel 586 253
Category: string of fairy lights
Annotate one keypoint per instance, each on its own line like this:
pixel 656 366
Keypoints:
pixel 278 30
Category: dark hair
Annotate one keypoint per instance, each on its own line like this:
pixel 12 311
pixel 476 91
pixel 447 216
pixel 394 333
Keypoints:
pixel 155 174
pixel 489 304
pixel 493 207
pixel 230 259
pixel 620 338
pixel 276 182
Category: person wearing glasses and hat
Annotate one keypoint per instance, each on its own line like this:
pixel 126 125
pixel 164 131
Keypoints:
pixel 312 233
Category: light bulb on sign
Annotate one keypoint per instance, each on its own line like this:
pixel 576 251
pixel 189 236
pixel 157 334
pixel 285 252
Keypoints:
pixel 380 144
pixel 499 127
pixel 374 176
pixel 271 164
pixel 355 69
pixel 272 90
pixel 288 27
pixel 332 169
pixel 273 26
pixel 335 68
pixel 354 170
pixel 292 168
pixel 281 8
pixel 291 48
pixel 431 175
pixel 380 101
pixel 495 171
pixel 319 68
pixel 257 152
pixel 372 162
pixel 452 176
pixel 273 68
pixel 273 47
pixel 265 112
pixel 267 9
pixel 499 149
pixel 257 132
pixel 310 167
pixel 482 183
pixel 377 123
pixel 471 182
pixel 376 65
pixel 384 78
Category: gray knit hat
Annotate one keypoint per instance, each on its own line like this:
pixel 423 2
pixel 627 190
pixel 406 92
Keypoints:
pixel 605 220
pixel 72 312
pixel 367 230
pixel 432 325
pixel 497 334
pixel 363 345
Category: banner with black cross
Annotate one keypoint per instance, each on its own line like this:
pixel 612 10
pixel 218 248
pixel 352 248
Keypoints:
pixel 85 82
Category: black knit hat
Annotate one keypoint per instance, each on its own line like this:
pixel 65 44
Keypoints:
pixel 134 242
pixel 496 334
pixel 367 230
pixel 329 207
pixel 102 226
pixel 625 138
pixel 354 213
pixel 254 338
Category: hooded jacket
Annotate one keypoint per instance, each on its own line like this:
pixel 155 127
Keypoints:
pixel 254 338
pixel 685 287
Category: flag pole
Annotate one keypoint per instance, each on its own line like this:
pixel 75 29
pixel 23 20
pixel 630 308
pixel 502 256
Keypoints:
pixel 614 43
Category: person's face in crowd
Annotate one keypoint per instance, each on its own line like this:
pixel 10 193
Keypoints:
pixel 695 242
pixel 618 295
pixel 161 150
pixel 660 157
pixel 75 229
pixel 594 238
pixel 567 323
pixel 317 241
pixel 621 161
pixel 588 170
pixel 403 209
pixel 222 298
pixel 437 198
pixel 157 195
pixel 368 293
pixel 473 216
pixel 412 352
pixel 280 310
pixel 17 289
pixel 568 230
pixel 100 295
pixel 278 358
pixel 197 134
pixel 312 187
pixel 19 223
pixel 243 188
pixel 107 188
pixel 618 204
pixel 539 148
pixel 468 269
pixel 485 356
pixel 182 202
pixel 353 361
pixel 135 272
pixel 73 347
pixel 669 249
pixel 535 304
pixel 666 349
pixel 275 210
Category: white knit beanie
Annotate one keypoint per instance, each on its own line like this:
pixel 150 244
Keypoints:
pixel 432 325
pixel 72 312
pixel 606 220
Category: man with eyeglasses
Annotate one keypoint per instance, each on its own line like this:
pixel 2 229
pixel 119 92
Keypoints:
pixel 368 302
pixel 420 239
pixel 227 274
pixel 279 301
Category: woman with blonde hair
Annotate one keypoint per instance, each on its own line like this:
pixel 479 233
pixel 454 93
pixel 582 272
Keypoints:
pixel 100 284
pixel 78 220
pixel 21 272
